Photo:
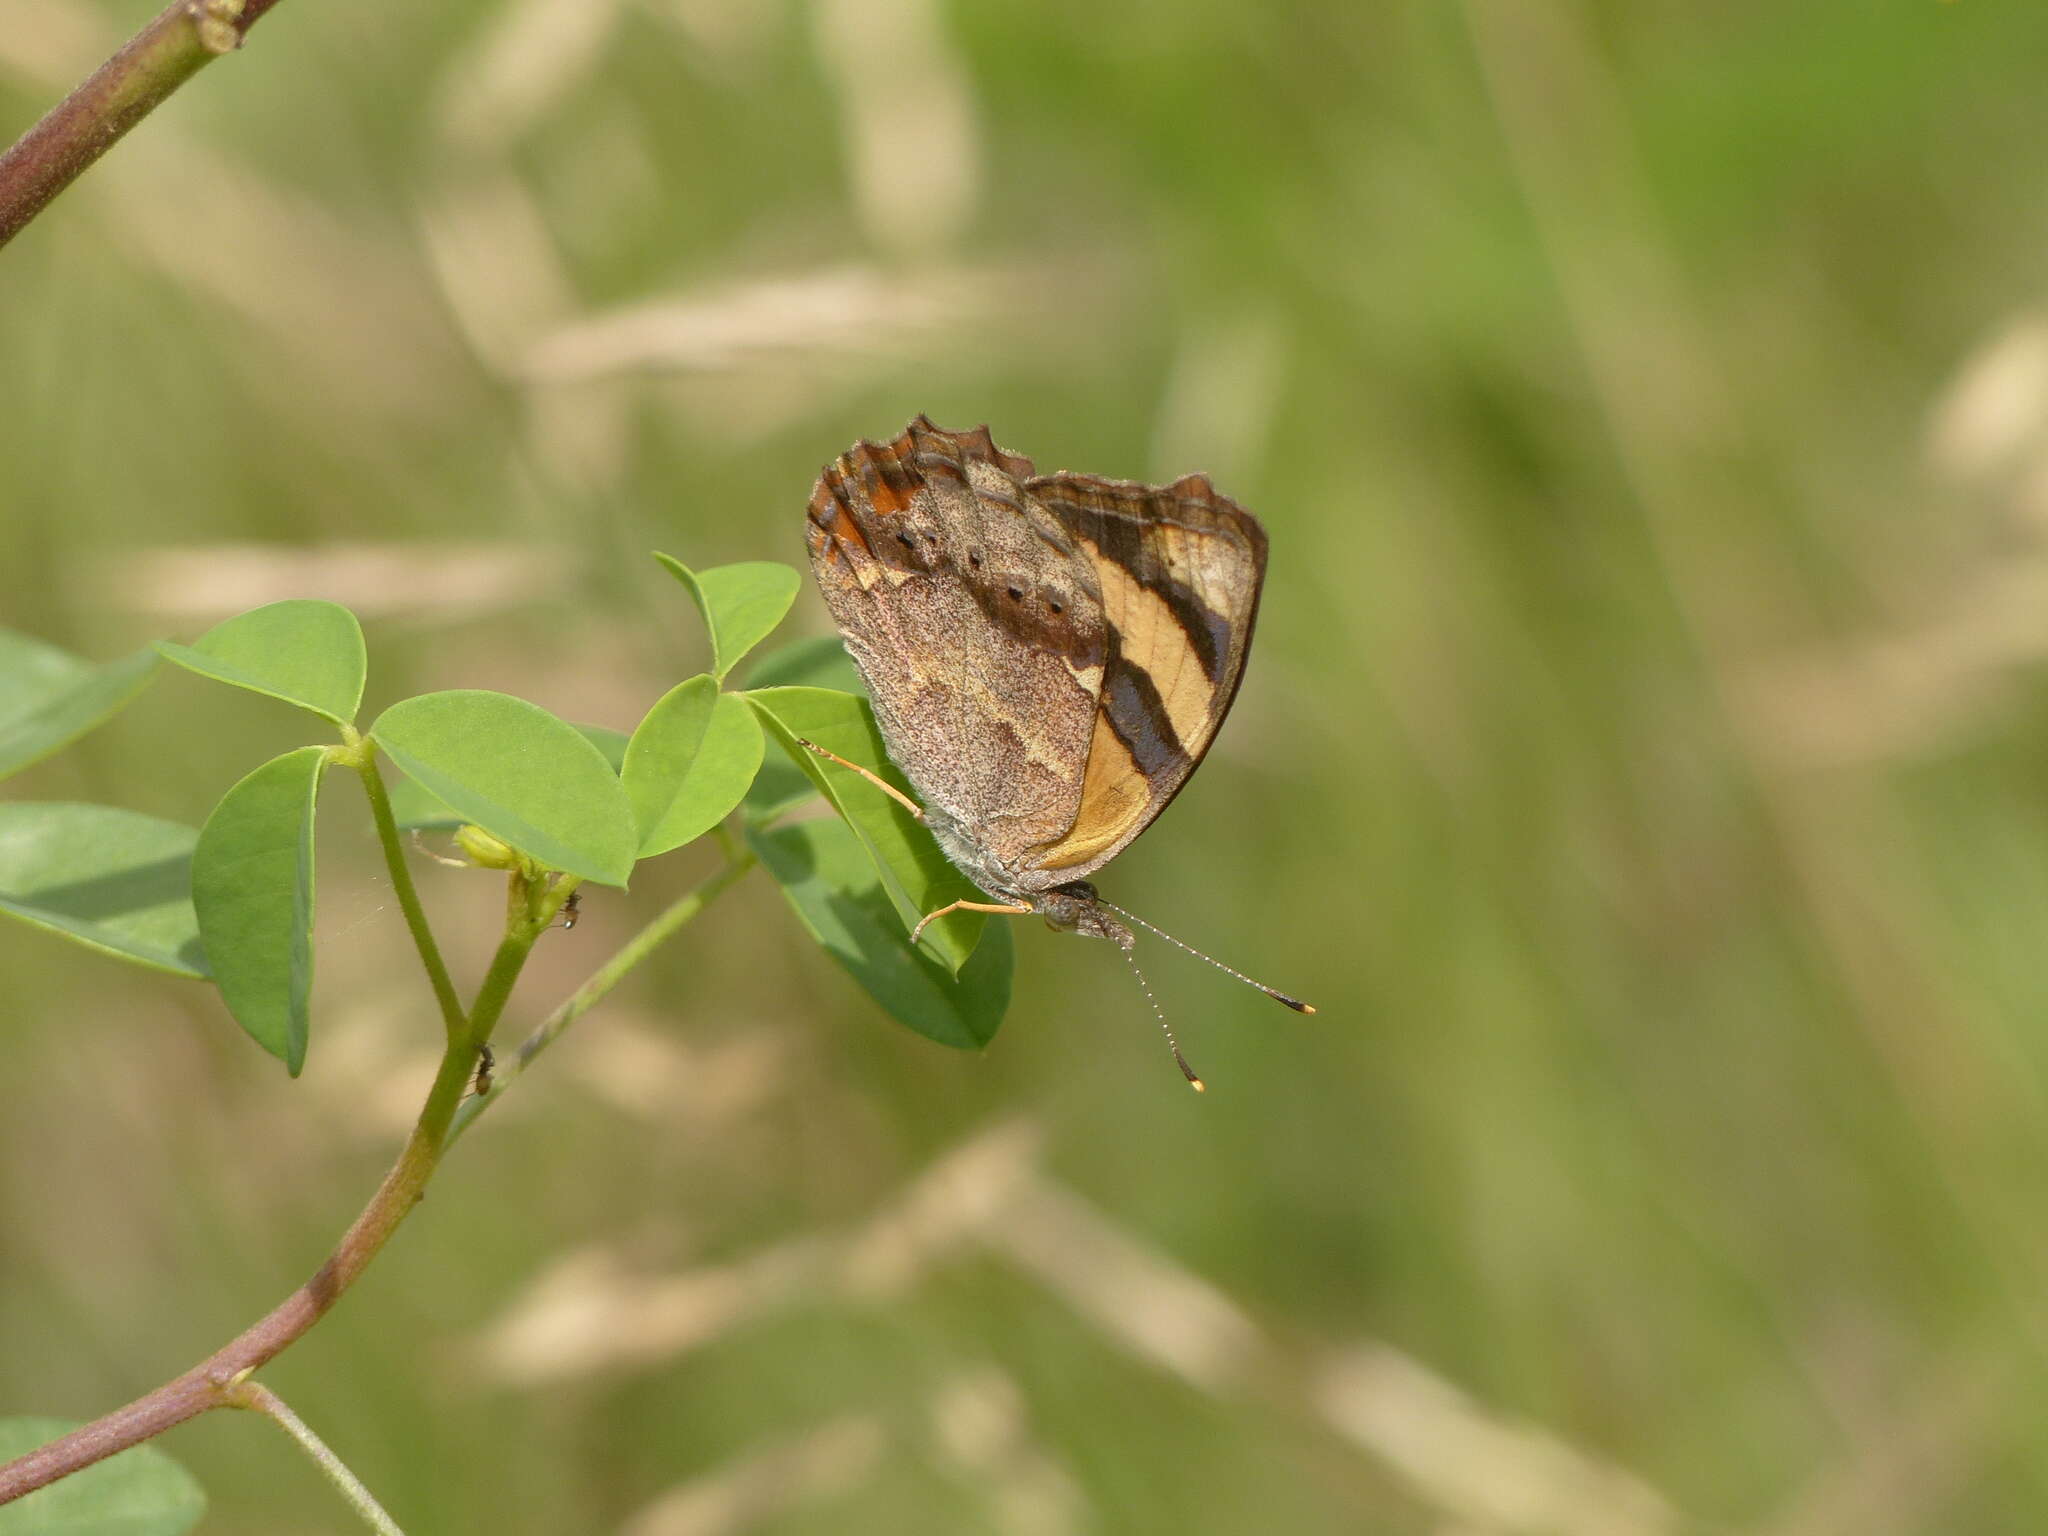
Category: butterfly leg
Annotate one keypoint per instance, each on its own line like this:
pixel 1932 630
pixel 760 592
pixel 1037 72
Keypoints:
pixel 880 783
pixel 1013 909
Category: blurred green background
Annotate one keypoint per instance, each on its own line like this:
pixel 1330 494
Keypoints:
pixel 1643 762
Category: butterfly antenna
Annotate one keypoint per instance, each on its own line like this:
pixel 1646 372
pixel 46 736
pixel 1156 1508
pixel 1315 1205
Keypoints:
pixel 1278 996
pixel 1158 1013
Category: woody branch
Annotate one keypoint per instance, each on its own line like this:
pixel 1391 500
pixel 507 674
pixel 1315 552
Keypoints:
pixel 183 39
pixel 211 1383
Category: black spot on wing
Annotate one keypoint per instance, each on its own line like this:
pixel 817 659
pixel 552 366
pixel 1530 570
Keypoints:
pixel 1050 625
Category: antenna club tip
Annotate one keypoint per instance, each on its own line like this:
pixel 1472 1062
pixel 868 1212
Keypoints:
pixel 1198 1085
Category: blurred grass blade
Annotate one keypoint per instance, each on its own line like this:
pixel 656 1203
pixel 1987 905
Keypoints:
pixel 831 883
pixel 518 772
pixel 140 1492
pixel 49 697
pixel 741 603
pixel 32 670
pixel 252 884
pixel 302 651
pixel 690 763
pixel 915 874
pixel 115 880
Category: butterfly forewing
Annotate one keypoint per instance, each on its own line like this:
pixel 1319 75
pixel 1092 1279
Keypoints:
pixel 977 625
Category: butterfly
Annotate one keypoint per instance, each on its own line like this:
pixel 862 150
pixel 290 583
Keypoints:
pixel 1048 656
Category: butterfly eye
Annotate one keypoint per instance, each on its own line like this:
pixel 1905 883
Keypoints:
pixel 1057 607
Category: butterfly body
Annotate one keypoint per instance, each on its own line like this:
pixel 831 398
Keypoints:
pixel 1048 656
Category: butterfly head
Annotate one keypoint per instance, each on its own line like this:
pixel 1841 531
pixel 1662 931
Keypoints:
pixel 1076 908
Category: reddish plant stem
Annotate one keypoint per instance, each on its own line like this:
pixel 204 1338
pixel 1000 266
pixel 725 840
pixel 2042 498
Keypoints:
pixel 206 1385
pixel 183 39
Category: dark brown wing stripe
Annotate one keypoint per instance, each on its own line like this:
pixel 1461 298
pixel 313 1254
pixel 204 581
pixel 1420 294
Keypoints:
pixel 1131 703
pixel 995 498
pixel 887 483
pixel 977 444
pixel 832 519
pixel 1120 537
pixel 929 463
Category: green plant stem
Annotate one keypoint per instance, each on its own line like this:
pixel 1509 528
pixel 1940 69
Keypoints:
pixel 214 1382
pixel 260 1399
pixel 609 975
pixel 408 895
pixel 182 39
pixel 522 927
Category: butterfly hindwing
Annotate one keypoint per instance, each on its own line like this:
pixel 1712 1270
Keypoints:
pixel 1180 568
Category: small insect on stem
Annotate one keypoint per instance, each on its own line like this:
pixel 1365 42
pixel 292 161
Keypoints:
pixel 486 1063
pixel 572 908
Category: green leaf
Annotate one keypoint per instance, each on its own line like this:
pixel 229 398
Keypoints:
pixel 608 741
pixel 779 788
pixel 830 881
pixel 252 884
pixel 690 763
pixel 302 651
pixel 819 661
pixel 522 775
pixel 741 603
pixel 816 661
pixel 140 1492
pixel 49 698
pixel 916 875
pixel 117 881
pixel 415 807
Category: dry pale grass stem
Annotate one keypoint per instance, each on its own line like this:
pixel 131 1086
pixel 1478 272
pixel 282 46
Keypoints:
pixel 597 1314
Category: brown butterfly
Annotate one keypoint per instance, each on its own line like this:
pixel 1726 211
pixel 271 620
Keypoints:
pixel 1049 656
